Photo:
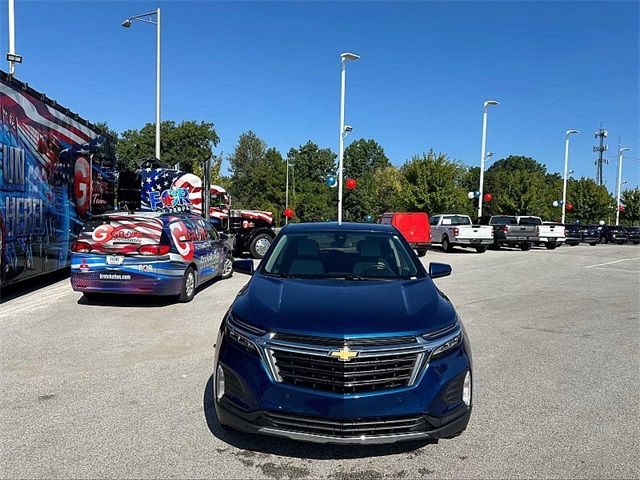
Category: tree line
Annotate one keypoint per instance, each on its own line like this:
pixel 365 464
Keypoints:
pixel 431 182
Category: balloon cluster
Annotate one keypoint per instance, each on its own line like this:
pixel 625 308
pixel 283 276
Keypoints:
pixel 476 194
pixel 557 203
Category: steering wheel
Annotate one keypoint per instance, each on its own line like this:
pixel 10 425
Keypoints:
pixel 380 268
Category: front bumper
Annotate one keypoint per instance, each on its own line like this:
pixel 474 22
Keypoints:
pixel 293 427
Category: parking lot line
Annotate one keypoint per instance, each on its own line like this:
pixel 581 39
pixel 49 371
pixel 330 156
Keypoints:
pixel 612 262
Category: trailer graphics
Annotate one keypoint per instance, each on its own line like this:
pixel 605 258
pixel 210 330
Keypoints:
pixel 56 170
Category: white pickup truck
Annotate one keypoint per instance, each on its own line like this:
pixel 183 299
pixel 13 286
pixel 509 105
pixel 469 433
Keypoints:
pixel 451 230
pixel 552 234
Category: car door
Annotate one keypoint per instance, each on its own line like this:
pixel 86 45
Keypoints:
pixel 218 245
pixel 204 252
pixel 435 229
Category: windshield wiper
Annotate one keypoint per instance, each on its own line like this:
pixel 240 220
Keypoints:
pixel 279 274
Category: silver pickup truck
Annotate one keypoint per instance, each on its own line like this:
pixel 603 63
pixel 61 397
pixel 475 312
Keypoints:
pixel 514 230
pixel 451 230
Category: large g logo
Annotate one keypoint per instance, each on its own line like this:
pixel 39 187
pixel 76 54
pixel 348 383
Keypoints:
pixel 102 233
pixel 179 233
pixel 82 179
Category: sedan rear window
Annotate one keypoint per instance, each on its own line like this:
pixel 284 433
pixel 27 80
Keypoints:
pixel 350 255
pixel 120 234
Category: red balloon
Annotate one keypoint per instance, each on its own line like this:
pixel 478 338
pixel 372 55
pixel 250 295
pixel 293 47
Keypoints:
pixel 350 183
pixel 569 206
pixel 622 208
pixel 288 212
pixel 487 197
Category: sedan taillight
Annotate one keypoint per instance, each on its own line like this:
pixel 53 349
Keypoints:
pixel 154 250
pixel 80 247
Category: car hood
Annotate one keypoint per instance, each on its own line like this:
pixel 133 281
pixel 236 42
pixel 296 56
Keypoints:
pixel 343 308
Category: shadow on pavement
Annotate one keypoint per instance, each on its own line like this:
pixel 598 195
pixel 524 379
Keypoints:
pixel 134 300
pixel 25 287
pixel 289 448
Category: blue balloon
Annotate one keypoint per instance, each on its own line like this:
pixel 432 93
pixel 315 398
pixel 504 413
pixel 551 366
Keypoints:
pixel 368 218
pixel 331 181
pixel 476 194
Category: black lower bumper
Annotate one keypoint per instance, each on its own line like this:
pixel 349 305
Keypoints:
pixel 294 427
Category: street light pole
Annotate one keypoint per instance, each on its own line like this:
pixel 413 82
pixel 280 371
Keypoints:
pixel 344 57
pixel 147 18
pixel 621 154
pixel 566 167
pixel 482 153
pixel 286 195
pixel 12 37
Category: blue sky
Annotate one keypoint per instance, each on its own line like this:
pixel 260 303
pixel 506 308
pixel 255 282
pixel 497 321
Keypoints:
pixel 426 68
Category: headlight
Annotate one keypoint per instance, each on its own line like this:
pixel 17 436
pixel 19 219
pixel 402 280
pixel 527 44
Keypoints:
pixel 444 339
pixel 242 333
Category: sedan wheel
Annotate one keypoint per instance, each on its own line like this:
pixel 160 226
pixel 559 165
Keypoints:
pixel 189 282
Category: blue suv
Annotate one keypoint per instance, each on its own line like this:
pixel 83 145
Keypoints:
pixel 341 337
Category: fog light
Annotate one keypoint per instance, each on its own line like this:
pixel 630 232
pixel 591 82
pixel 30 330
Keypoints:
pixel 466 389
pixel 220 382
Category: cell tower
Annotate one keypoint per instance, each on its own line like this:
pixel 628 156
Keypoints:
pixel 601 148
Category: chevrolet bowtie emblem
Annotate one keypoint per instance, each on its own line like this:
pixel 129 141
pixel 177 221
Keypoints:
pixel 344 354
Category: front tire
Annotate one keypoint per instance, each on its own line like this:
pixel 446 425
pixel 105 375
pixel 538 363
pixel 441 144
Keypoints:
pixel 481 249
pixel 421 252
pixel 227 267
pixel 525 246
pixel 259 245
pixel 189 283
pixel 593 244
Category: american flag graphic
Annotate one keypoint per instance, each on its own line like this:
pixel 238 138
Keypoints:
pixel 161 179
pixel 123 234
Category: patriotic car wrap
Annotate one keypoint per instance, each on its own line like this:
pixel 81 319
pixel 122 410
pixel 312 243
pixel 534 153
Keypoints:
pixel 145 253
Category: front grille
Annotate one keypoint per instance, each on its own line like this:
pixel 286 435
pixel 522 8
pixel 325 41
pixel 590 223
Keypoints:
pixel 364 373
pixel 345 429
pixel 349 342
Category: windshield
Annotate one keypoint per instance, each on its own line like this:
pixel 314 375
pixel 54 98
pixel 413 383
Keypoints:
pixel 456 220
pixel 350 255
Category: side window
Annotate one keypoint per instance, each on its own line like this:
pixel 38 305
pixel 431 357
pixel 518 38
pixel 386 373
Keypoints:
pixel 386 220
pixel 213 233
pixel 433 221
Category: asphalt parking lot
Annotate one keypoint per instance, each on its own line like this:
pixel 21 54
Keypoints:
pixel 123 388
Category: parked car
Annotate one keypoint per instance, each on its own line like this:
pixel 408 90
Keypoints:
pixel 451 230
pixel 342 337
pixel 590 234
pixel 513 230
pixel 613 234
pixel 550 234
pixel 633 235
pixel 148 253
pixel 414 227
pixel 573 233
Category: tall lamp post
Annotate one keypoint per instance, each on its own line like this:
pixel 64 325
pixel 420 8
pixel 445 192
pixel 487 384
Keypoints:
pixel 343 131
pixel 487 104
pixel 566 167
pixel 286 195
pixel 148 18
pixel 621 154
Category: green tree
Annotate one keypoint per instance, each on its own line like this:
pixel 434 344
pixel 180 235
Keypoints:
pixel 312 200
pixel 631 200
pixel 434 184
pixel 362 159
pixel 591 202
pixel 188 143
pixel 247 157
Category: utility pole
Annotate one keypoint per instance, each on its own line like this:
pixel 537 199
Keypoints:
pixel 601 148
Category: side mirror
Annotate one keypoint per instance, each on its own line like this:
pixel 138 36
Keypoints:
pixel 243 266
pixel 437 270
